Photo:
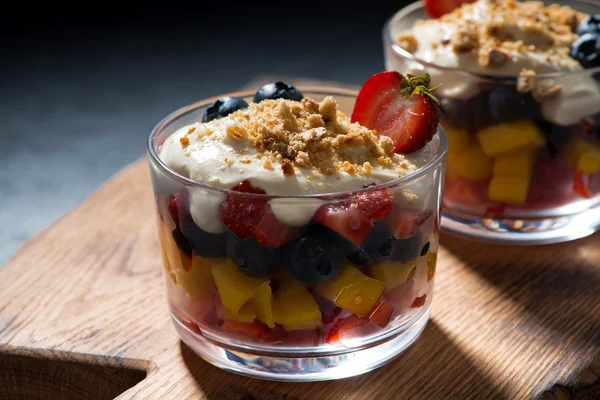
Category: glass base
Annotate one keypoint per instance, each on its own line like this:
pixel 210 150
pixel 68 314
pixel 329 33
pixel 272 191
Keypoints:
pixel 306 367
pixel 522 231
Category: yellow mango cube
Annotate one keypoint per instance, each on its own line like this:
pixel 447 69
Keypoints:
pixel 234 288
pixel 470 163
pixel 583 156
pixel 245 314
pixel 509 189
pixel 393 273
pixel 198 283
pixel 294 307
pixel 263 304
pixel 510 138
pixel 352 290
pixel 517 164
pixel 458 139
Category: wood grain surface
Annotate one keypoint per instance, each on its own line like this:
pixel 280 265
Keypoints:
pixel 83 315
pixel 507 323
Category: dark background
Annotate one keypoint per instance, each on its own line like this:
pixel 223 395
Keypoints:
pixel 82 85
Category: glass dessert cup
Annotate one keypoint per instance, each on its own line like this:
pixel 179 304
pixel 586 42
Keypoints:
pixel 520 170
pixel 265 323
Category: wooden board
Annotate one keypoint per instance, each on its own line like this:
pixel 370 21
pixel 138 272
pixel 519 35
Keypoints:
pixel 83 314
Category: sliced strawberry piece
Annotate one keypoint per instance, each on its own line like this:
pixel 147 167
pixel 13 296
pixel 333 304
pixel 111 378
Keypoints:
pixel 437 8
pixel 376 204
pixel 419 301
pixel 349 221
pixel 580 185
pixel 343 328
pixel 254 330
pixel 249 216
pixel 271 233
pixel 173 211
pixel 381 313
pixel 402 108
pixel 403 222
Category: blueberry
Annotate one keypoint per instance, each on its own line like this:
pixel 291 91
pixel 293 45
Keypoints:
pixel 205 244
pixel 223 107
pixel 251 258
pixel 404 250
pixel 589 24
pixel 586 50
pixel 182 243
pixel 278 90
pixel 470 114
pixel 557 136
pixel 316 256
pixel 376 248
pixel 506 104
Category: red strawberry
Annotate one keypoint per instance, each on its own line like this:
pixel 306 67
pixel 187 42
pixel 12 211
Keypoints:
pixel 254 330
pixel 402 108
pixel 173 211
pixel 376 204
pixel 349 221
pixel 381 313
pixel 437 8
pixel 403 222
pixel 580 186
pixel 419 301
pixel 249 216
pixel 343 327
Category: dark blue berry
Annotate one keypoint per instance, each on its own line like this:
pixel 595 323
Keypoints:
pixel 182 243
pixel 589 24
pixel 223 107
pixel 278 90
pixel 586 50
pixel 376 248
pixel 316 256
pixel 425 249
pixel 251 258
pixel 506 104
pixel 405 250
pixel 205 244
pixel 470 114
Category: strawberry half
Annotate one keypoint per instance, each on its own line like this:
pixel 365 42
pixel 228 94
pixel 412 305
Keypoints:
pixel 401 108
pixel 403 223
pixel 437 8
pixel 249 216
pixel 347 220
pixel 375 204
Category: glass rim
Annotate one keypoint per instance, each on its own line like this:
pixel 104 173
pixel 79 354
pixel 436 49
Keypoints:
pixel 435 160
pixel 400 14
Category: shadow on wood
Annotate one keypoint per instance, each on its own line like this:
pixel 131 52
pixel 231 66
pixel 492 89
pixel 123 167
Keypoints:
pixel 442 373
pixel 44 374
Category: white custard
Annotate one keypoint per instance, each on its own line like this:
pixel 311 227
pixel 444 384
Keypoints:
pixel 209 153
pixel 517 34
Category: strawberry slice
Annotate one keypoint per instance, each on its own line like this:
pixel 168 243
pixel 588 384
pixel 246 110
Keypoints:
pixel 249 216
pixel 402 108
pixel 403 223
pixel 343 328
pixel 381 313
pixel 254 330
pixel 437 8
pixel 347 220
pixel 580 186
pixel 376 204
pixel 419 301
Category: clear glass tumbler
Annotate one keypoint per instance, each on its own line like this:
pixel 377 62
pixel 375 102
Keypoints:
pixel 522 168
pixel 239 305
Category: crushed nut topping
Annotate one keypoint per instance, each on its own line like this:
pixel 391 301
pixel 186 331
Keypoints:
pixel 493 28
pixel 308 134
pixel 185 141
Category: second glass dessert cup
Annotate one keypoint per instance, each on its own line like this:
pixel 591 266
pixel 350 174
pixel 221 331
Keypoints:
pixel 523 167
pixel 253 310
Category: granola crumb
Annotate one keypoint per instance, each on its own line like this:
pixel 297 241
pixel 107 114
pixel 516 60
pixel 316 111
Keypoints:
pixel 185 141
pixel 287 167
pixel 408 42
pixel 367 168
pixel 191 130
pixel 328 109
pixel 268 164
pixel 526 81
pixel 245 161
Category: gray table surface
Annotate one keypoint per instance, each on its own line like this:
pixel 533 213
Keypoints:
pixel 78 103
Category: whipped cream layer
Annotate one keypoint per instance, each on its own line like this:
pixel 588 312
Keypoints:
pixel 284 148
pixel 505 38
